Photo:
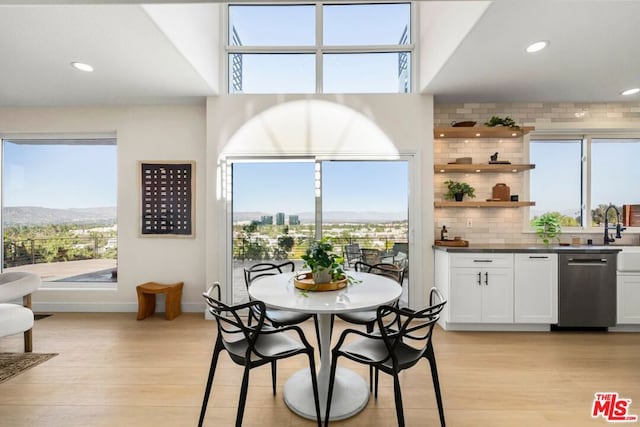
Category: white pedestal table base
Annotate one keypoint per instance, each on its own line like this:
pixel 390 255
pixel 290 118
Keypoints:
pixel 350 395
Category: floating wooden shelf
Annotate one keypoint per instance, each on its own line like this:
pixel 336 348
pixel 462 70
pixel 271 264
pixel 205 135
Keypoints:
pixel 469 204
pixel 481 168
pixel 481 132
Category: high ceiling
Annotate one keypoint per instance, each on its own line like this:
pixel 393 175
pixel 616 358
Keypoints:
pixel 170 53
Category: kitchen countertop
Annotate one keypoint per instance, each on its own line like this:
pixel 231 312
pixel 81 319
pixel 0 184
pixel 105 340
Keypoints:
pixel 528 248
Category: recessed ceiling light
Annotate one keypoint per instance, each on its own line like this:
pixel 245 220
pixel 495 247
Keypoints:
pixel 630 91
pixel 537 46
pixel 82 66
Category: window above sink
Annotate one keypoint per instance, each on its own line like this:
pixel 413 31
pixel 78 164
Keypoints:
pixel 579 176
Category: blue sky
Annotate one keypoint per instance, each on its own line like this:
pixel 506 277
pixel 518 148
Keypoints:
pixel 343 25
pixel 347 186
pixel 59 176
pixel 556 179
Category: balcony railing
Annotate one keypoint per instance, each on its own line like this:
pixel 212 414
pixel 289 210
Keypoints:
pixel 58 249
pixel 86 259
pixel 264 248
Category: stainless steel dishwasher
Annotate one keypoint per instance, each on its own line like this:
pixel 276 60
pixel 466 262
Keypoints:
pixel 587 289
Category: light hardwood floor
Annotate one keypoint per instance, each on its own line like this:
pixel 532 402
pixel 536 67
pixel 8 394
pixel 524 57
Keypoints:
pixel 115 371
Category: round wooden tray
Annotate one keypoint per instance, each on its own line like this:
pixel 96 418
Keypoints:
pixel 305 282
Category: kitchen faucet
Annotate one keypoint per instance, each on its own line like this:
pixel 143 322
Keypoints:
pixel 618 227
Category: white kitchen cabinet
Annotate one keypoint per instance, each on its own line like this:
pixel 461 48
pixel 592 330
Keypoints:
pixel 628 299
pixel 481 288
pixel 536 288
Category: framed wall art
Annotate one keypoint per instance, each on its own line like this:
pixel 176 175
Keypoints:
pixel 167 198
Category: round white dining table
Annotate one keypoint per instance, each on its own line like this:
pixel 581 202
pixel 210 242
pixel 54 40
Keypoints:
pixel 350 392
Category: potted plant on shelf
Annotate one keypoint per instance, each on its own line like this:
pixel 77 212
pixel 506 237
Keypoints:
pixel 499 121
pixel 457 190
pixel 547 226
pixel 325 265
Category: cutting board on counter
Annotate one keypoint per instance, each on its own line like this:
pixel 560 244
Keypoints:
pixel 455 243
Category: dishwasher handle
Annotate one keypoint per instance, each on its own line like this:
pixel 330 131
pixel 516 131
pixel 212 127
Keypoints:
pixel 587 261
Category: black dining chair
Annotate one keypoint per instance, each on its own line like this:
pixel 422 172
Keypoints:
pixel 277 318
pixel 253 346
pixel 368 317
pixel 392 349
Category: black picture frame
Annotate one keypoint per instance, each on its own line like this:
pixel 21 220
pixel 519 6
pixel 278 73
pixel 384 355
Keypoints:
pixel 167 198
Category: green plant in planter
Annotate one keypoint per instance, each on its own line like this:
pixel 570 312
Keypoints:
pixel 325 265
pixel 457 190
pixel 499 121
pixel 547 226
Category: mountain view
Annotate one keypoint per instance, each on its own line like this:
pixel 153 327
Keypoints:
pixel 32 215
pixel 334 217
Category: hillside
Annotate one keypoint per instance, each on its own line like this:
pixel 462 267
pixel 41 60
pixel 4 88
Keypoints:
pixel 333 217
pixel 32 215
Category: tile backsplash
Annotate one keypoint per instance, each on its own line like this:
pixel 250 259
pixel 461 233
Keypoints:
pixel 539 113
pixel 509 225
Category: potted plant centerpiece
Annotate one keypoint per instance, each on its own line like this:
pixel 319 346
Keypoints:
pixel 325 265
pixel 547 226
pixel 457 190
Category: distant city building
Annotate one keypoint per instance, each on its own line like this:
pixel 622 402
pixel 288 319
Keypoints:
pixel 294 220
pixel 280 218
pixel 266 220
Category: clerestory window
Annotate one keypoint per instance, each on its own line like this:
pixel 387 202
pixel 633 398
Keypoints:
pixel 319 48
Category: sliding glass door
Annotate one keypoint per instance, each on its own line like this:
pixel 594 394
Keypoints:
pixel 280 205
pixel 273 214
pixel 365 203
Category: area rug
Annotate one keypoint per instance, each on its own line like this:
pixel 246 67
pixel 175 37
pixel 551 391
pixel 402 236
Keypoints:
pixel 12 364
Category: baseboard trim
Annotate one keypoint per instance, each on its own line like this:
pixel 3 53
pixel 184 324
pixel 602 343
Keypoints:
pixel 625 328
pixel 105 307
pixel 495 327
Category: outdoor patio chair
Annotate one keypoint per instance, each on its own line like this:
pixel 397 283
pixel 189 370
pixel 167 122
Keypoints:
pixel 253 346
pixel 371 256
pixel 404 336
pixel 352 254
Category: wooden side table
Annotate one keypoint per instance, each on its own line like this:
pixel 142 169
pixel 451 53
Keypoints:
pixel 147 299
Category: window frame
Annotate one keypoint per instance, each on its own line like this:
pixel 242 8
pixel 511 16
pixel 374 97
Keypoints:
pixel 319 49
pixel 225 245
pixel 586 138
pixel 107 138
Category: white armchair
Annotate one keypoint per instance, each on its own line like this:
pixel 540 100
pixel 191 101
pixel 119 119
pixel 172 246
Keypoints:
pixel 16 318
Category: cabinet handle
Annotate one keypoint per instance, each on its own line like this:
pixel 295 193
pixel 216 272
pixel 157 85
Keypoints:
pixel 538 257
pixel 486 278
pixel 482 260
pixel 479 279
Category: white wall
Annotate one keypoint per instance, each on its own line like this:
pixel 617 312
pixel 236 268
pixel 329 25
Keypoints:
pixel 294 125
pixel 188 133
pixel 143 133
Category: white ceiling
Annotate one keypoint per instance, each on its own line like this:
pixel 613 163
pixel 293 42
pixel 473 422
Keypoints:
pixel 594 53
pixel 171 53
